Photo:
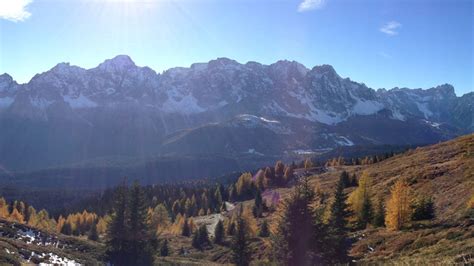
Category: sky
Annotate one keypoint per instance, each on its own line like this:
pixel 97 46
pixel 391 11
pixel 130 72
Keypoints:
pixel 382 43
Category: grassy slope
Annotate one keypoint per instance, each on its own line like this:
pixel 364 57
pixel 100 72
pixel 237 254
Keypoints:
pixel 444 171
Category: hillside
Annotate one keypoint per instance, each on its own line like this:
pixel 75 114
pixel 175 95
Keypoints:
pixel 444 171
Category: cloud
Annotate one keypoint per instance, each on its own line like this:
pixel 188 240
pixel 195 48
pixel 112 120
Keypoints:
pixel 307 5
pixel 14 10
pixel 391 28
pixel 383 54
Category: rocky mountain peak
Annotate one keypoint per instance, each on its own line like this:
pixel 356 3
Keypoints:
pixel 118 63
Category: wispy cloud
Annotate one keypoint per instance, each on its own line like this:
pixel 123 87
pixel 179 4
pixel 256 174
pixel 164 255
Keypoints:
pixel 14 10
pixel 307 5
pixel 391 28
pixel 385 55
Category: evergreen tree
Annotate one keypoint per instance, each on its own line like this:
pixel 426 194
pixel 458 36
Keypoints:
pixel 66 229
pixel 219 232
pixel 203 235
pixel 186 230
pixel 231 229
pixel 365 216
pixel 195 242
pixel 142 241
pixel 423 209
pixel 300 235
pixel 240 248
pixel 93 235
pixel 118 229
pixel 338 222
pixel 264 230
pixel 164 250
pixel 379 215
pixel 257 209
pixel 345 179
pixel 354 182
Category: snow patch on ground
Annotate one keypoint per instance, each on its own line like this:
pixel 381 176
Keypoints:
pixel 432 124
pixel 253 151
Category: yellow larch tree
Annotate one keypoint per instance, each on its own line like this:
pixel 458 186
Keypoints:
pixel 16 216
pixel 398 205
pixel 3 209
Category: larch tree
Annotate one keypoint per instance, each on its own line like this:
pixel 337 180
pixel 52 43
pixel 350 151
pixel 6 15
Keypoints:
pixel 360 200
pixel 398 205
pixel 3 208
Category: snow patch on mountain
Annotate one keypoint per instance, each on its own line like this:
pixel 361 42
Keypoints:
pixel 423 108
pixel 40 103
pixel 252 121
pixel 185 105
pixel 367 107
pixel 79 102
pixel 5 102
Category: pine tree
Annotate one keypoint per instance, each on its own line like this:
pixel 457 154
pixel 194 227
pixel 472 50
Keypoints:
pixel 118 229
pixel 164 250
pixel 66 229
pixel 423 209
pixel 203 235
pixel 186 230
pixel 398 206
pixel 219 232
pixel 195 242
pixel 299 235
pixel 141 241
pixel 231 229
pixel 379 215
pixel 366 215
pixel 93 235
pixel 240 248
pixel 345 179
pixel 338 222
pixel 258 205
pixel 264 230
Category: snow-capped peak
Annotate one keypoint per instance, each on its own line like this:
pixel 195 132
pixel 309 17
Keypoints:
pixel 120 62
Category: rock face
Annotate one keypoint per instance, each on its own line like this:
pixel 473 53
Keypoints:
pixel 69 114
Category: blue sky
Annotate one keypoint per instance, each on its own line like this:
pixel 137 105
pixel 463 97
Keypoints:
pixel 409 43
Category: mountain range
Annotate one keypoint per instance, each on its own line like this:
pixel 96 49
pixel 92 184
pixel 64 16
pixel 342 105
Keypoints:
pixel 69 114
